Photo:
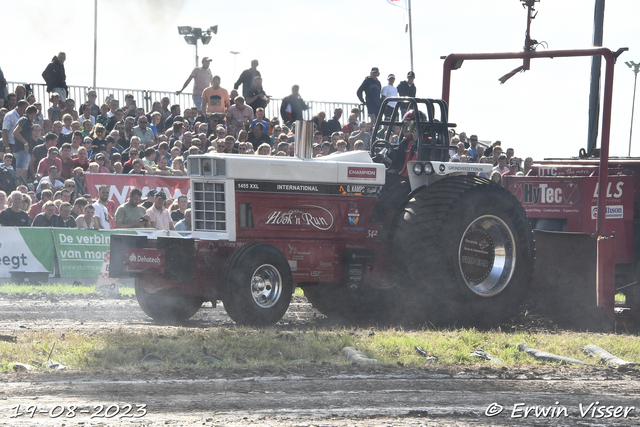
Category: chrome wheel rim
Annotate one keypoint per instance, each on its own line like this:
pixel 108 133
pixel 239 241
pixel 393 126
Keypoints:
pixel 266 286
pixel 487 256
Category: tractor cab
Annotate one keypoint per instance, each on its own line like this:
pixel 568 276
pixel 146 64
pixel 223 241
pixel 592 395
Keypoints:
pixel 428 129
pixel 421 155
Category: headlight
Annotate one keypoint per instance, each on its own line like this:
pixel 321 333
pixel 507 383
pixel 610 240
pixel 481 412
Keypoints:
pixel 418 168
pixel 428 168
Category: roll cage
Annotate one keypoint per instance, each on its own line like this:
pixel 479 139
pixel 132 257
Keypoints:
pixel 433 139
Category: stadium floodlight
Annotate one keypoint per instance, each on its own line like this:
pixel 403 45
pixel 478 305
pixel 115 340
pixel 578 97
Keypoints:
pixel 526 3
pixel 193 34
pixel 184 31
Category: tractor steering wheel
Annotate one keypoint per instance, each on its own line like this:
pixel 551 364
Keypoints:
pixel 379 157
pixel 379 145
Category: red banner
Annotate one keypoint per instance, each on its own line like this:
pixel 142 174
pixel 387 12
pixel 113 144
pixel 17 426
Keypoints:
pixel 121 185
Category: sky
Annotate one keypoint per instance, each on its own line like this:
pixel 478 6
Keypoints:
pixel 329 47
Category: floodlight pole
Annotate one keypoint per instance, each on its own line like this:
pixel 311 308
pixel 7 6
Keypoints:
pixel 410 35
pixel 95 40
pixel 234 60
pixel 196 44
pixel 635 68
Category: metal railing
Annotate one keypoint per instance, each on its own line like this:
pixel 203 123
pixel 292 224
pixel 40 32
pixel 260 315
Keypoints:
pixel 145 98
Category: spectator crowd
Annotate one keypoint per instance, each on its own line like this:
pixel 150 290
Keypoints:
pixel 46 157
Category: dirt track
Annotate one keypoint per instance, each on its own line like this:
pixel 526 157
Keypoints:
pixel 37 311
pixel 303 395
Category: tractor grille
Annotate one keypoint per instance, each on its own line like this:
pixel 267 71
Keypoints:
pixel 209 206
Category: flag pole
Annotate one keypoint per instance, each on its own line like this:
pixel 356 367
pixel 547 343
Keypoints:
pixel 410 37
pixel 95 40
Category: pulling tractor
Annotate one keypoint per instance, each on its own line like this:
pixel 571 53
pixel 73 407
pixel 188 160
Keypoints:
pixel 400 232
pixel 397 233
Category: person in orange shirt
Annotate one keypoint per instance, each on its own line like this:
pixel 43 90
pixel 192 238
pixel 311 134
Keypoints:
pixel 215 99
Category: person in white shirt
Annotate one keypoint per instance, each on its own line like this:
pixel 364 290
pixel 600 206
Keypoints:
pixel 102 207
pixel 53 181
pixel 502 167
pixel 67 119
pixel 202 79
pixel 389 91
pixel 457 156
pixel 86 115
pixel 88 220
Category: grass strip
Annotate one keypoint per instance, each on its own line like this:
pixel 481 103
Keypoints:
pixel 122 348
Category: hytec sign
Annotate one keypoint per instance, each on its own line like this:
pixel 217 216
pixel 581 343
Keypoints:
pixel 546 193
pixel 542 194
pixel 575 199
pixel 559 192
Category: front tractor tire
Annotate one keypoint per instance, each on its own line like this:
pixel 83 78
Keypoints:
pixel 165 307
pixel 258 285
pixel 465 251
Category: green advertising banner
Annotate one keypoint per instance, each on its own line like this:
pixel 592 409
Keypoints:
pixel 38 241
pixel 25 249
pixel 81 252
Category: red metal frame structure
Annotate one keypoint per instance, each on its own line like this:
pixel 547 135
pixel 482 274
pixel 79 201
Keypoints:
pixel 527 56
pixel 605 286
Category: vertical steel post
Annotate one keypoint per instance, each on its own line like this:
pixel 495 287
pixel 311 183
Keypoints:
pixel 603 170
pixel 636 68
pixel 526 62
pixel 605 277
pixel 596 65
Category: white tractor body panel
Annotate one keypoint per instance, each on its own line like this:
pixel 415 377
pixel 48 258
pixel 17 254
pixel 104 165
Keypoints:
pixel 213 181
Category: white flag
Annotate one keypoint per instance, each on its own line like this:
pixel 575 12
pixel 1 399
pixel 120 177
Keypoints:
pixel 399 3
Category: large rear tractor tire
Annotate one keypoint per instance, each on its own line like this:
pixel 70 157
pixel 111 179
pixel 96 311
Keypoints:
pixel 165 307
pixel 465 252
pixel 258 285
